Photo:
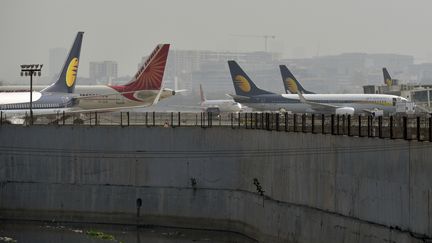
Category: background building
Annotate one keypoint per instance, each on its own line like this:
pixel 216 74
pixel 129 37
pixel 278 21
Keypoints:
pixel 103 72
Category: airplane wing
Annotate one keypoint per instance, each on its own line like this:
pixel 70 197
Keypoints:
pixel 316 105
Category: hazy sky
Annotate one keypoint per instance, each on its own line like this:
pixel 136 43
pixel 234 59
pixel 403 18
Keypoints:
pixel 124 31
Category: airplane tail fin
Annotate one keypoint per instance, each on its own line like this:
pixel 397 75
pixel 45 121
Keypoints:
pixel 242 83
pixel 66 80
pixel 387 79
pixel 290 82
pixel 150 75
pixel 203 98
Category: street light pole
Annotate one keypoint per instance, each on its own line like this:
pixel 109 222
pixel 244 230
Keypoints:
pixel 31 70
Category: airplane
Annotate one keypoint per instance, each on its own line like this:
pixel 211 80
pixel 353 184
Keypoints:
pixel 218 106
pixel 55 98
pixel 145 89
pixel 290 82
pixel 387 78
pixel 247 93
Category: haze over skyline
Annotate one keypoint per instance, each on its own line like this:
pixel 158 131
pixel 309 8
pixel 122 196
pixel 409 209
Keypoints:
pixel 124 31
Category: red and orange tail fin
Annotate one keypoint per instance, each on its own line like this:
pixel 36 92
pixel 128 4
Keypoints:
pixel 150 75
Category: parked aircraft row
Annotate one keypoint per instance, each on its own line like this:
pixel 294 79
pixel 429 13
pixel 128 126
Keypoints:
pixel 144 89
pixel 299 100
pixel 304 101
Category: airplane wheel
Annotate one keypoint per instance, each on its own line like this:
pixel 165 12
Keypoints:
pixel 282 110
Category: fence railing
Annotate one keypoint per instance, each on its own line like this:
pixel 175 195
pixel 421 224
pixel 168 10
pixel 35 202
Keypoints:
pixel 393 127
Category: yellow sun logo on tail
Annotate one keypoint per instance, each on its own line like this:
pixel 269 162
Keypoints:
pixel 292 85
pixel 242 83
pixel 71 72
pixel 389 82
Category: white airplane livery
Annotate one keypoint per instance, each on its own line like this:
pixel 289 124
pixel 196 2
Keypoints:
pixel 249 94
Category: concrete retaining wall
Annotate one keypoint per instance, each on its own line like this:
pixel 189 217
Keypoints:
pixel 318 188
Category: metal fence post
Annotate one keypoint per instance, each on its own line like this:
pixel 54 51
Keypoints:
pixel 391 127
pixel 349 125
pixel 337 124
pixel 418 129
pixel 1 117
pixel 154 118
pixel 295 122
pixel 369 126
pixel 179 119
pixel 405 128
pixel 146 118
pixel 322 123
pixel 286 121
pixel 121 118
pixel 380 126
pixel 239 119
pixel 360 126
pixel 430 129
pixel 172 119
pixel 64 117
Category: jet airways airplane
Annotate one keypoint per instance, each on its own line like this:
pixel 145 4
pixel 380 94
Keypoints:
pixel 247 93
pixel 54 98
pixel 219 105
pixel 388 80
pixel 290 82
pixel 145 89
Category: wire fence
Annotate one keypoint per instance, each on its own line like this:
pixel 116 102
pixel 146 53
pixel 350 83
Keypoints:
pixel 392 127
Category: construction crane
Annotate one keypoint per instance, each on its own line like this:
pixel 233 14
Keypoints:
pixel 266 37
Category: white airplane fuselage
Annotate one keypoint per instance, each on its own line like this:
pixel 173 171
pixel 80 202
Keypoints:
pixel 291 102
pixel 102 96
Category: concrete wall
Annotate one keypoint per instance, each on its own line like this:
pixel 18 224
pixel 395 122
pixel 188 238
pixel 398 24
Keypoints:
pixel 318 188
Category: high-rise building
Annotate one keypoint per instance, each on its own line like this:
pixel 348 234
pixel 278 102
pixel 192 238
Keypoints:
pixel 57 57
pixel 103 72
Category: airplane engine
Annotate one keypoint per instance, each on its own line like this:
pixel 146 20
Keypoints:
pixel 345 111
